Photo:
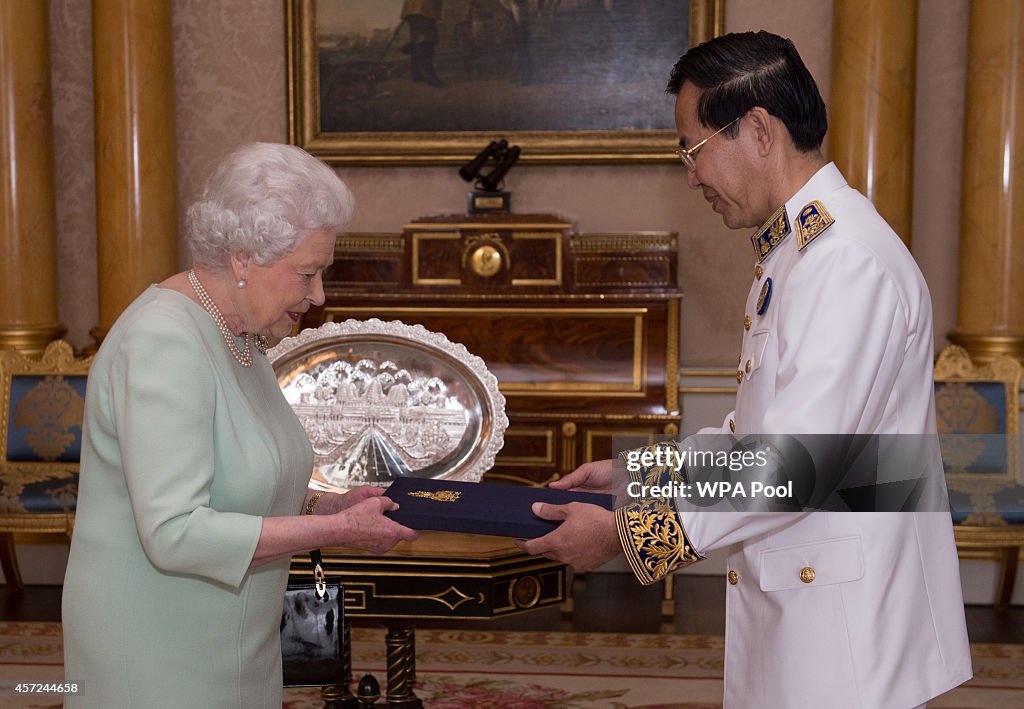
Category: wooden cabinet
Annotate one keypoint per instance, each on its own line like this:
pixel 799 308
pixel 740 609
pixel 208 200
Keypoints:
pixel 581 330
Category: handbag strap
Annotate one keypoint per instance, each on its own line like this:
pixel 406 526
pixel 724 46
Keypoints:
pixel 319 577
pixel 316 558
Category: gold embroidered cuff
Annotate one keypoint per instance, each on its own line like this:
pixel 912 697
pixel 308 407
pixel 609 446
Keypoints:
pixel 653 539
pixel 312 501
pixel 650 531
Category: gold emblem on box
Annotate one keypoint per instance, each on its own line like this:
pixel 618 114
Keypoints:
pixel 439 496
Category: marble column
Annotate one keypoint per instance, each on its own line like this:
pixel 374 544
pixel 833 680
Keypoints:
pixel 871 108
pixel 28 232
pixel 136 212
pixel 990 307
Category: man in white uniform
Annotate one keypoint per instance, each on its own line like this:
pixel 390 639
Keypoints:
pixel 824 609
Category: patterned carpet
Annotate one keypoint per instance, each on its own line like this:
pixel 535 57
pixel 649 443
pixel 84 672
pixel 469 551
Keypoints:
pixel 520 670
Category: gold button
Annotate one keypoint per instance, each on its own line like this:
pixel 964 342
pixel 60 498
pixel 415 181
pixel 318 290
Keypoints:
pixel 747 320
pixel 746 367
pixel 734 578
pixel 807 574
pixel 739 376
pixel 485 261
pixel 758 271
pixel 732 425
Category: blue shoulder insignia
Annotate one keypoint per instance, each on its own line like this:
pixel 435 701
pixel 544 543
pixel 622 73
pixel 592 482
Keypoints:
pixel 770 234
pixel 812 223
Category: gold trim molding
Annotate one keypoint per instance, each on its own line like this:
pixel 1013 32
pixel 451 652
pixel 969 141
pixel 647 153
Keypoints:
pixel 430 236
pixel 672 358
pixel 615 242
pixel 985 348
pixel 30 340
pixel 551 237
pixel 529 460
pixel 593 433
pixel 360 242
pixel 427 227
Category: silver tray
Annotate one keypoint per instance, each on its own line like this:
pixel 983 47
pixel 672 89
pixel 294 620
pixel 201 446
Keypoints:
pixel 382 400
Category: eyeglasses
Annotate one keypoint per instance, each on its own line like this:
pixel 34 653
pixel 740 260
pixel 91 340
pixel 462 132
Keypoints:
pixel 687 155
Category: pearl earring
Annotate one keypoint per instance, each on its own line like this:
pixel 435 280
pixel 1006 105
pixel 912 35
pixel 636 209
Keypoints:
pixel 242 283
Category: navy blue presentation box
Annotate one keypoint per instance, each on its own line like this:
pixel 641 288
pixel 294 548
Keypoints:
pixel 479 508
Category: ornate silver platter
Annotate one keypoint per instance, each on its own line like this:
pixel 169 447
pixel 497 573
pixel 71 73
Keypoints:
pixel 383 400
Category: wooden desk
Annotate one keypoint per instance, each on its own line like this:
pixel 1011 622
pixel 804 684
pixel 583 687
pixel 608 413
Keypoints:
pixel 438 576
pixel 581 330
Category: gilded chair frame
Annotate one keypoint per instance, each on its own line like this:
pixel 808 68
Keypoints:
pixel 985 533
pixel 57 360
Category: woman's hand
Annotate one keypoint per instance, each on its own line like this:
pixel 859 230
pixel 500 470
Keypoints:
pixel 332 502
pixel 355 519
pixel 362 524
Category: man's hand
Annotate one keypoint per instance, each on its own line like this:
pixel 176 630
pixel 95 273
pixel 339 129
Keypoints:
pixel 589 477
pixel 586 539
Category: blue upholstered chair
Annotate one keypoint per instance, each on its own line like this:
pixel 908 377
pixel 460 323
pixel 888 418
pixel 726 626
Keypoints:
pixel 978 414
pixel 42 403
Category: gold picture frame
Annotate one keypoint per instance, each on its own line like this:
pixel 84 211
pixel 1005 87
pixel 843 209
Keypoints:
pixel 368 95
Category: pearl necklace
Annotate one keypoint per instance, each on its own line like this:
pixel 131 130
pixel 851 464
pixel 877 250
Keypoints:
pixel 243 357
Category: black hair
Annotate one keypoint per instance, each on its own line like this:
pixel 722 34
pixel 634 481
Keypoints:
pixel 737 72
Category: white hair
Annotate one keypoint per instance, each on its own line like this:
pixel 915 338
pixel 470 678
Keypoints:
pixel 263 199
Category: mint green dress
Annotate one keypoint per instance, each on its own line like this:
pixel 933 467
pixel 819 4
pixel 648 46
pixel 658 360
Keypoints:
pixel 184 453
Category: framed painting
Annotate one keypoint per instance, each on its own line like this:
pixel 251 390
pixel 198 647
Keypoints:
pixel 398 82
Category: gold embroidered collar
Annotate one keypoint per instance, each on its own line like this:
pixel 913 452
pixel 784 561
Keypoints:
pixel 770 234
pixel 812 221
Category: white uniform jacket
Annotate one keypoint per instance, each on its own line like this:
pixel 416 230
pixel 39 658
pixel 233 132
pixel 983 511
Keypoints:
pixel 843 345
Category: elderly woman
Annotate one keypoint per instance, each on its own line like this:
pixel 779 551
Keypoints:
pixel 194 468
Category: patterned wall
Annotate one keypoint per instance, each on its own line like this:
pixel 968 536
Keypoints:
pixel 74 181
pixel 230 87
pixel 229 81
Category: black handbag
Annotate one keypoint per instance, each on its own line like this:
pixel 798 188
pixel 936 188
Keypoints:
pixel 312 622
